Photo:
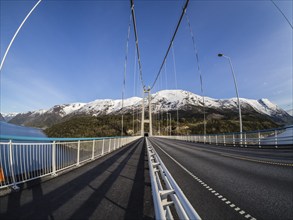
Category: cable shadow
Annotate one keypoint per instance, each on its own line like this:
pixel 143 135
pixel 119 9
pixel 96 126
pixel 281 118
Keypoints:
pixel 57 196
pixel 89 206
pixel 135 204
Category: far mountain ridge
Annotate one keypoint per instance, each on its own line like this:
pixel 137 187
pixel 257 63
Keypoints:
pixel 162 101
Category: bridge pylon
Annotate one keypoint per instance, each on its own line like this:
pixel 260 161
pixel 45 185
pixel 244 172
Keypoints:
pixel 143 119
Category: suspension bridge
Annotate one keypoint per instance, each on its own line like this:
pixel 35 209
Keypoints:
pixel 240 175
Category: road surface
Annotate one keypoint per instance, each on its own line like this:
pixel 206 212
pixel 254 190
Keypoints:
pixel 116 186
pixel 231 183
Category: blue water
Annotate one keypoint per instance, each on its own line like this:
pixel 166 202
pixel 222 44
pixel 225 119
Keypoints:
pixel 16 130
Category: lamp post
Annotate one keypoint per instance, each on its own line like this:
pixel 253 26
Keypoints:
pixel 236 88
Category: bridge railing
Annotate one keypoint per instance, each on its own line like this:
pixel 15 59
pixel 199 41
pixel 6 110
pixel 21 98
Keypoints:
pixel 165 191
pixel 23 159
pixel 270 138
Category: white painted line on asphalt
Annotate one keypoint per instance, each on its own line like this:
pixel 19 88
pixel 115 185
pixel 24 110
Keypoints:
pixel 207 186
pixel 241 212
pixel 257 161
pixel 247 216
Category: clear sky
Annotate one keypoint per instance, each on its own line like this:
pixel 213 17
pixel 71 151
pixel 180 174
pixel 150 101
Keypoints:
pixel 73 51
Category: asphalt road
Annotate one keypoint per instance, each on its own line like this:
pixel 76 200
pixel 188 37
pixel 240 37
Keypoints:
pixel 116 186
pixel 231 183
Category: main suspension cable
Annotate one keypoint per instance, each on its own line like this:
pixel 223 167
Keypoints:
pixel 282 13
pixel 14 36
pixel 136 42
pixel 171 42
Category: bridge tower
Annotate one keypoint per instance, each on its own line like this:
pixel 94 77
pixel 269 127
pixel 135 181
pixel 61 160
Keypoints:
pixel 143 119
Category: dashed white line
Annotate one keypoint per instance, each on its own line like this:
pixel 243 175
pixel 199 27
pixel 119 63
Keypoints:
pixel 241 212
pixel 257 161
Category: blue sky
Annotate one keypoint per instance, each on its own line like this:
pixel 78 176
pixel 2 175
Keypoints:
pixel 73 51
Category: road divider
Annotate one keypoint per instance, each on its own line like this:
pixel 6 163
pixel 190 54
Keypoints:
pixel 166 193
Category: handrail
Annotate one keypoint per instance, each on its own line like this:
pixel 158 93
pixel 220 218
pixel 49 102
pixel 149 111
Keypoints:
pixel 23 138
pixel 170 194
pixel 278 137
pixel 24 161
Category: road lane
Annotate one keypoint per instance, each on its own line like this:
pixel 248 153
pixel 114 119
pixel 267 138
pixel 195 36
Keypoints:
pixel 115 186
pixel 231 183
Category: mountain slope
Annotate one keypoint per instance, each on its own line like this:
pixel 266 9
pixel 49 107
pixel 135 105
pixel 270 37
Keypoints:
pixel 162 101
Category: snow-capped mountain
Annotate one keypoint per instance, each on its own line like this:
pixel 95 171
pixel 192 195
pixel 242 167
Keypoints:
pixel 8 116
pixel 162 101
pixel 1 117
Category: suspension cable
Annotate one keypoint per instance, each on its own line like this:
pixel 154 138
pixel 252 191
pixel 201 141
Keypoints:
pixel 134 91
pixel 175 73
pixel 171 42
pixel 282 13
pixel 136 42
pixel 198 68
pixel 124 75
pixel 14 36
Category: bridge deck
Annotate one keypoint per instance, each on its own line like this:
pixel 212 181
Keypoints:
pixel 113 187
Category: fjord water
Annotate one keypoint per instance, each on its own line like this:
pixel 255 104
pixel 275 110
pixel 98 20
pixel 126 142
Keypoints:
pixel 8 129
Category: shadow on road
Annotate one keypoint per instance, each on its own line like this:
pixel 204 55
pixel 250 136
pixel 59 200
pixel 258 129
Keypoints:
pixel 82 193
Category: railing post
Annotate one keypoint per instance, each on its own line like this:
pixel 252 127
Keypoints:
pixel 93 150
pixel 245 140
pixel 276 139
pixel 210 139
pixel 216 139
pixel 15 187
pixel 54 159
pixel 78 153
pixel 109 146
pixel 224 140
pixel 259 140
pixel 233 140
pixel 103 146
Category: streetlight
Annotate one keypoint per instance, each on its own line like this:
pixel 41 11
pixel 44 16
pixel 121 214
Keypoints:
pixel 236 88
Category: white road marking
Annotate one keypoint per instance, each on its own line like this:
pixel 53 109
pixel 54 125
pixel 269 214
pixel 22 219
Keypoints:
pixel 257 161
pixel 207 186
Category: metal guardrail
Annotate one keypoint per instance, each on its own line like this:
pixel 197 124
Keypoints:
pixel 273 138
pixel 25 159
pixel 165 190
